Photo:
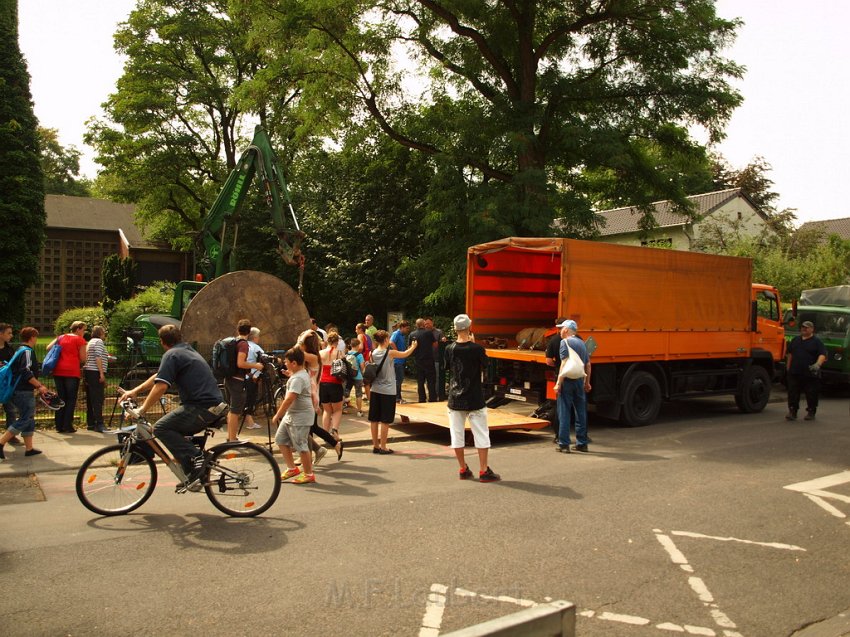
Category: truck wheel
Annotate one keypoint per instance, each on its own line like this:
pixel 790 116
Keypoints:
pixel 755 390
pixel 641 400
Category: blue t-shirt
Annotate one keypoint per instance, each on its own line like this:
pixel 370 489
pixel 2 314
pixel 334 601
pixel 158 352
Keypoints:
pixel 400 342
pixel 577 345
pixel 183 367
pixel 356 360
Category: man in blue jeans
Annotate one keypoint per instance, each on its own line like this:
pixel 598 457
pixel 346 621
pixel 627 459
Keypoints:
pixel 572 392
pixel 200 399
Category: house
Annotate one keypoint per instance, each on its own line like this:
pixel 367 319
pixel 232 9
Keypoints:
pixel 731 208
pixel 81 232
pixel 828 227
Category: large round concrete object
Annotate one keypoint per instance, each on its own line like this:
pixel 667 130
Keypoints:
pixel 270 304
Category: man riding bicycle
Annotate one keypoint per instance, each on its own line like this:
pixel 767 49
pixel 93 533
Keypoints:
pixel 200 399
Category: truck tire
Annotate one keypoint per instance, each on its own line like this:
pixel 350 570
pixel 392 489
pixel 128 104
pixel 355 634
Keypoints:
pixel 755 390
pixel 641 400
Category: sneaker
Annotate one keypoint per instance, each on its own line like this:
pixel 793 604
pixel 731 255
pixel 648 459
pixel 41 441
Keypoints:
pixel 305 478
pixel 32 452
pixel 791 415
pixel 561 449
pixel 256 425
pixel 465 473
pixel 321 452
pixel 360 414
pixel 197 469
pixel 582 448
pixel 52 401
pixel 488 476
pixel 290 473
pixel 809 416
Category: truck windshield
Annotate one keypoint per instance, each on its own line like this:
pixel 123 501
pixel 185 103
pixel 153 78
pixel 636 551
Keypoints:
pixel 827 324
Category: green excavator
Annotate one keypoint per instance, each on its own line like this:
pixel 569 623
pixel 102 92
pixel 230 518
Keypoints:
pixel 218 236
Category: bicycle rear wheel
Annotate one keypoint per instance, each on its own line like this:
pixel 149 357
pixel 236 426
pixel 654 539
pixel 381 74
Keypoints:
pixel 243 480
pixel 109 485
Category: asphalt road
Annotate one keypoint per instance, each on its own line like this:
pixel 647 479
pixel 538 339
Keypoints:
pixel 683 527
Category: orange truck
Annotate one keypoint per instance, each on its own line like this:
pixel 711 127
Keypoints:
pixel 666 324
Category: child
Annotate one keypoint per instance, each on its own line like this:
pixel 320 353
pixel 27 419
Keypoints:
pixel 295 415
pixel 26 371
pixel 355 358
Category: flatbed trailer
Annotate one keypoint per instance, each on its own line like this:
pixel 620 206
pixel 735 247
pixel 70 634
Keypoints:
pixel 437 414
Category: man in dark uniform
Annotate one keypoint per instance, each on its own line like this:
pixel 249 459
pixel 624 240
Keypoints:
pixel 806 354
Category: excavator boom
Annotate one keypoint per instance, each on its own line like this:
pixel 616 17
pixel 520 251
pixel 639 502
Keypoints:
pixel 258 161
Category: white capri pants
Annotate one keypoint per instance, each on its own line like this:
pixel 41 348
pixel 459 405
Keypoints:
pixel 478 424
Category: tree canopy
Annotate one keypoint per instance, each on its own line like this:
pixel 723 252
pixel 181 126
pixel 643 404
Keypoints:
pixel 61 166
pixel 472 121
pixel 22 214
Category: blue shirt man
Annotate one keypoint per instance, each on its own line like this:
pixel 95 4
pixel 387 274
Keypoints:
pixel 399 339
pixel 573 391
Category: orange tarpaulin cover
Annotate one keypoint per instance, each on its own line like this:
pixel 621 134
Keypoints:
pixel 519 282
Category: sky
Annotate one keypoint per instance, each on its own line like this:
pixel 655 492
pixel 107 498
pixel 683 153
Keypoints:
pixel 795 90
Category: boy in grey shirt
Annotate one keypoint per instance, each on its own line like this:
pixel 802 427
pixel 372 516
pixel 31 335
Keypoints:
pixel 295 416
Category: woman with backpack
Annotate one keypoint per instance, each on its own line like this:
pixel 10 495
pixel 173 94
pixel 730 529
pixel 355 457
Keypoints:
pixel 67 374
pixel 25 373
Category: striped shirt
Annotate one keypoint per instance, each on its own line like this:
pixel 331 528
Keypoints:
pixel 96 349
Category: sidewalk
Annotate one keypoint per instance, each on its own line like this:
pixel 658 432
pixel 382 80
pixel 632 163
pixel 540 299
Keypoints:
pixel 62 452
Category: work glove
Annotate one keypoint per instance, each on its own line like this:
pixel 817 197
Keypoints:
pixel 814 368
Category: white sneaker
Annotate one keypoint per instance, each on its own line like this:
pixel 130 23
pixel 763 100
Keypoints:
pixel 321 452
pixel 256 425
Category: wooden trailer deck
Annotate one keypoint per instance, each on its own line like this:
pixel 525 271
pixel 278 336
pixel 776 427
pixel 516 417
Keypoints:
pixel 437 414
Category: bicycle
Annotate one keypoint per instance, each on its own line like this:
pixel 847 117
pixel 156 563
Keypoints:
pixel 240 478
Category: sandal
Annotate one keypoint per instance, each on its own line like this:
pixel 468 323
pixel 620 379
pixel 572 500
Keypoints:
pixel 335 434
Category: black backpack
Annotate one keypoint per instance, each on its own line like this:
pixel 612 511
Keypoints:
pixel 223 361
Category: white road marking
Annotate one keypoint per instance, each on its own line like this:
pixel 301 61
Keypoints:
pixel 816 491
pixel 772 545
pixel 436 604
pixel 434 608
pixel 698 586
pixel 623 619
pixel 826 506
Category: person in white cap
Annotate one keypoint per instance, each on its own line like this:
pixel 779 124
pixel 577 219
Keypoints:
pixel 572 391
pixel 466 360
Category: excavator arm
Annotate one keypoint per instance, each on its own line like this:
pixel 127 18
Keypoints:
pixel 258 160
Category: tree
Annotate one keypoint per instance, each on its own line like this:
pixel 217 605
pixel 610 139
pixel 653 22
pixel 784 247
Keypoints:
pixel 117 280
pixel 531 94
pixel 173 132
pixel 61 166
pixel 22 215
pixel 361 206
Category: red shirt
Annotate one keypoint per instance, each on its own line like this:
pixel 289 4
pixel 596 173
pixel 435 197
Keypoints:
pixel 69 355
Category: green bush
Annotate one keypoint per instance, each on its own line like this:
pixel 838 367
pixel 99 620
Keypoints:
pixel 91 316
pixel 155 299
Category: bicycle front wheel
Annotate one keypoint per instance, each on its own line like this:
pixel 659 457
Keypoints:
pixel 243 480
pixel 110 484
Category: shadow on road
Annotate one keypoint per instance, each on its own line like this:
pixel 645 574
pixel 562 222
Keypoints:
pixel 209 532
pixel 548 490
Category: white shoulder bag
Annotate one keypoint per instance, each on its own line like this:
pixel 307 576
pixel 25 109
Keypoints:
pixel 572 367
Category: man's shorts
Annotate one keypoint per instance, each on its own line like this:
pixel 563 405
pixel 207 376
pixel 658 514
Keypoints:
pixel 238 394
pixel 293 436
pixel 478 424
pixel 358 388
